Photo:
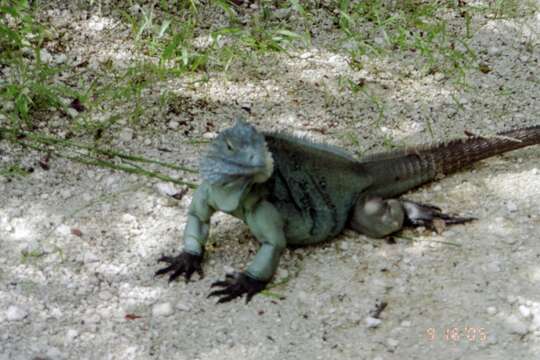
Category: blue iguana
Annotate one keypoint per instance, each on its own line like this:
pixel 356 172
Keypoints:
pixel 291 191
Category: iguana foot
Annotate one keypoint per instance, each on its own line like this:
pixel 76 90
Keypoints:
pixel 236 285
pixel 429 216
pixel 184 264
pixel 377 217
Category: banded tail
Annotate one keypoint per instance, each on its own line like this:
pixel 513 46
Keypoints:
pixel 397 172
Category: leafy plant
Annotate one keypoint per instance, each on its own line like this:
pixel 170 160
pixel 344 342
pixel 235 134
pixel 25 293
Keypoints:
pixel 26 86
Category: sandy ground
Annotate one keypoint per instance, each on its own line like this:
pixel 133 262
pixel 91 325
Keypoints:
pixel 79 244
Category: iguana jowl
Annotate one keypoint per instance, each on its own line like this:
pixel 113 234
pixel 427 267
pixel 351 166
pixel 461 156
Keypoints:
pixel 291 191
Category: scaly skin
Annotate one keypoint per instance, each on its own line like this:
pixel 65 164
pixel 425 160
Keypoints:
pixel 401 171
pixel 290 191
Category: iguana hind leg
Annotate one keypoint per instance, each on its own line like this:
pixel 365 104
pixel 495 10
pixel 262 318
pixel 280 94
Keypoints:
pixel 377 217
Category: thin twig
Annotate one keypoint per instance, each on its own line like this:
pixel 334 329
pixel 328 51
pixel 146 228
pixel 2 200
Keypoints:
pixel 88 160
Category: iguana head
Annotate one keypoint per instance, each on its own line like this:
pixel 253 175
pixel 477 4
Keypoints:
pixel 238 153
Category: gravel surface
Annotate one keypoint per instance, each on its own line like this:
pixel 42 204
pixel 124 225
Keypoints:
pixel 79 243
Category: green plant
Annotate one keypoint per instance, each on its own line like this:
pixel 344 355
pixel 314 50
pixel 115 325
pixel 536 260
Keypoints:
pixel 378 27
pixel 28 86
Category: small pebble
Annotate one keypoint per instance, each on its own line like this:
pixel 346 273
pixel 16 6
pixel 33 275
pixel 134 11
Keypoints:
pixel 135 9
pixel 392 343
pixel 511 206
pixel 281 13
pixel 536 322
pixel 524 311
pixel 105 295
pixel 72 112
pixel 45 56
pixel 127 217
pixel 53 353
pixel 90 257
pixel 491 310
pixel 126 135
pixel 92 318
pixel 65 193
pixel 183 307
pixel 493 51
pixel 163 309
pixel 71 334
pixel 372 322
pixel 173 124
pixel 282 274
pixel 60 58
pixel 56 313
pixel 209 135
pixel 15 313
pixel 516 325
pixel 438 76
pixel 32 247
pixel 63 229
pixel 166 189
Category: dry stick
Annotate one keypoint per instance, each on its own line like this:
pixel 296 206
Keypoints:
pixel 109 152
pixel 106 164
pixel 138 171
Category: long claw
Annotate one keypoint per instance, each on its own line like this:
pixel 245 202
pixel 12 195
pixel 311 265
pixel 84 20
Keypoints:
pixel 163 271
pixel 219 283
pixel 218 293
pixel 428 215
pixel 235 286
pixel 458 220
pixel 184 264
pixel 249 296
pixel 164 258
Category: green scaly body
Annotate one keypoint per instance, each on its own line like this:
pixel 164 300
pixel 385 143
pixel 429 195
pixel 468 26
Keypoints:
pixel 310 192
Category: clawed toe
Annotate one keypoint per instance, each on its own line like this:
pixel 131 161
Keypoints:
pixel 430 216
pixel 184 264
pixel 236 285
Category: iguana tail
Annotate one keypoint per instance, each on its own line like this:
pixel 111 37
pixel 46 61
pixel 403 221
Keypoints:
pixel 397 172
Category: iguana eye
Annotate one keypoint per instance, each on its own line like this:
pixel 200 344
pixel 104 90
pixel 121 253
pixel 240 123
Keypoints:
pixel 229 145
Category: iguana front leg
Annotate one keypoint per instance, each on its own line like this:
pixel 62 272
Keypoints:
pixel 377 217
pixel 266 224
pixel 195 236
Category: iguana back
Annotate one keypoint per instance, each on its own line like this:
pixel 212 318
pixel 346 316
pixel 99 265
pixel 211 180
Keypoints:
pixel 314 186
